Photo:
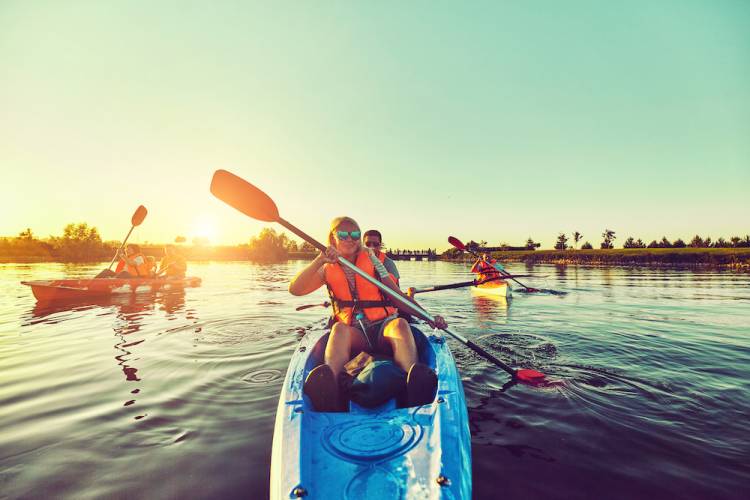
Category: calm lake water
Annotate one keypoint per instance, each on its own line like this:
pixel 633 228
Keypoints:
pixel 173 394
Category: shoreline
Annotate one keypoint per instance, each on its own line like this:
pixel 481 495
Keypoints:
pixel 726 258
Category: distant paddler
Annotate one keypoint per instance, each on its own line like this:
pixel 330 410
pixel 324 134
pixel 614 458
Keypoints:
pixel 172 265
pixel 486 268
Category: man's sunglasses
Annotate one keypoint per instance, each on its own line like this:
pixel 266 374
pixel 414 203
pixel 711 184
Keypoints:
pixel 372 244
pixel 343 235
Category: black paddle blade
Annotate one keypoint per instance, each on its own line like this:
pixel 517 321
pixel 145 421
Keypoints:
pixel 240 194
pixel 138 215
pixel 456 243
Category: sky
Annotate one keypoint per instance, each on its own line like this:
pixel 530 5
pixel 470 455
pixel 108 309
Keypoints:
pixel 495 121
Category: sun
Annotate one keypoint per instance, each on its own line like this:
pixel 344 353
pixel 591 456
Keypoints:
pixel 205 227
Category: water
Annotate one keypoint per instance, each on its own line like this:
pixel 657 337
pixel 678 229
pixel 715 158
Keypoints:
pixel 173 394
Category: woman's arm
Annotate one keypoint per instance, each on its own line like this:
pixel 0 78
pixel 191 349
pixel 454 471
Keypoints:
pixel 310 278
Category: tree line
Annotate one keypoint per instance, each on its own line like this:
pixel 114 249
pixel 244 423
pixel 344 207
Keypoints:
pixel 78 243
pixel 608 237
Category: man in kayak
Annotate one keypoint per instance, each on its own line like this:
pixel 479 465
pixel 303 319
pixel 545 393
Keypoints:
pixel 373 239
pixel 363 320
pixel 173 264
pixel 132 263
pixel 485 268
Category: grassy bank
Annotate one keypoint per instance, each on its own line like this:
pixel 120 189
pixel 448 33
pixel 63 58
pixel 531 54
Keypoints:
pixel 719 257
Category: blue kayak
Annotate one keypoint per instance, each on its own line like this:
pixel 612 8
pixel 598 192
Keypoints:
pixel 383 452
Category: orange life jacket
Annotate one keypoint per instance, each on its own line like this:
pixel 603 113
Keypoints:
pixel 485 270
pixel 141 270
pixel 365 298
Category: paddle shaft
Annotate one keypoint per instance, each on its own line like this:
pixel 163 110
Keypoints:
pixel 458 285
pixel 410 307
pixel 121 247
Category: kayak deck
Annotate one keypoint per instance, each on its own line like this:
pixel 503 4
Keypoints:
pixel 72 289
pixel 385 452
pixel 495 287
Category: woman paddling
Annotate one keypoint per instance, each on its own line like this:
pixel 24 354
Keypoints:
pixel 363 320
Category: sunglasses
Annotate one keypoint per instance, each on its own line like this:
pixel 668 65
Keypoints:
pixel 372 244
pixel 343 235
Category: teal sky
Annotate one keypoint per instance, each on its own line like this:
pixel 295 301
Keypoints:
pixel 482 120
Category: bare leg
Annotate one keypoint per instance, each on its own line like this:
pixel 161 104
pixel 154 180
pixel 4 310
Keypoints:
pixel 343 341
pixel 398 334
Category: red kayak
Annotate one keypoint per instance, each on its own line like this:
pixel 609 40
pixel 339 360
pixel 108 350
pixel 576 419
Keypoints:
pixel 48 290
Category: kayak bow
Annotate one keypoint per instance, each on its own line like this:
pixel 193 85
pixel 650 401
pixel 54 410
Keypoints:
pixel 384 452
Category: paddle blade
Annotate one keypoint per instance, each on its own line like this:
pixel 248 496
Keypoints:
pixel 240 194
pixel 531 376
pixel 456 242
pixel 138 215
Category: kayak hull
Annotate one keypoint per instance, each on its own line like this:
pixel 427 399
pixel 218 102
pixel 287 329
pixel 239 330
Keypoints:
pixel 60 290
pixel 496 287
pixel 385 452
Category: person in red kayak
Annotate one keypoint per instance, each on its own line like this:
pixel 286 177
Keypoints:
pixel 486 268
pixel 173 265
pixel 132 263
pixel 363 320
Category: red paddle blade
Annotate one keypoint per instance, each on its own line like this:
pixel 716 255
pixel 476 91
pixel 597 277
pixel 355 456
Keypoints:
pixel 138 215
pixel 456 242
pixel 529 376
pixel 240 194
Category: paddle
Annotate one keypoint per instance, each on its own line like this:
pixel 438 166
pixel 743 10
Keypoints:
pixel 465 284
pixel 308 306
pixel 254 203
pixel 135 220
pixel 457 243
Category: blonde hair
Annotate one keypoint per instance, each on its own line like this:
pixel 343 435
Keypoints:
pixel 335 223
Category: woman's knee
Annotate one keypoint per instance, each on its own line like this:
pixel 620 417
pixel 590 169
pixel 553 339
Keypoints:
pixel 398 328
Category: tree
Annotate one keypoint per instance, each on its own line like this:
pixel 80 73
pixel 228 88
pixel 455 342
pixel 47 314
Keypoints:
pixel 269 246
pixel 629 243
pixel 473 246
pixel 696 242
pixel 665 243
pixel 735 241
pixel 180 239
pixel 26 235
pixel 608 236
pixel 653 244
pixel 587 246
pixel 576 238
pixel 530 244
pixel 562 241
pixel 79 243
pixel 678 243
pixel 640 244
pixel 306 247
pixel 721 243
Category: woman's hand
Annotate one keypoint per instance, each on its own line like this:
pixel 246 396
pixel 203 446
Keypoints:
pixel 438 323
pixel 331 255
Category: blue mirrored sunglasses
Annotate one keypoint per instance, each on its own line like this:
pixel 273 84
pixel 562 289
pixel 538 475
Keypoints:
pixel 342 235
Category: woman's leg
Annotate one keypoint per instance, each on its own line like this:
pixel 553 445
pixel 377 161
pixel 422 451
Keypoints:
pixel 398 334
pixel 343 342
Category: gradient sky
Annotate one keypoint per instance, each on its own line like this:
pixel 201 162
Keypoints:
pixel 484 120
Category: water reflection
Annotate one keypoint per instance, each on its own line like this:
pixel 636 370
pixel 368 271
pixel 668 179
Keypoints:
pixel 131 313
pixel 491 308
